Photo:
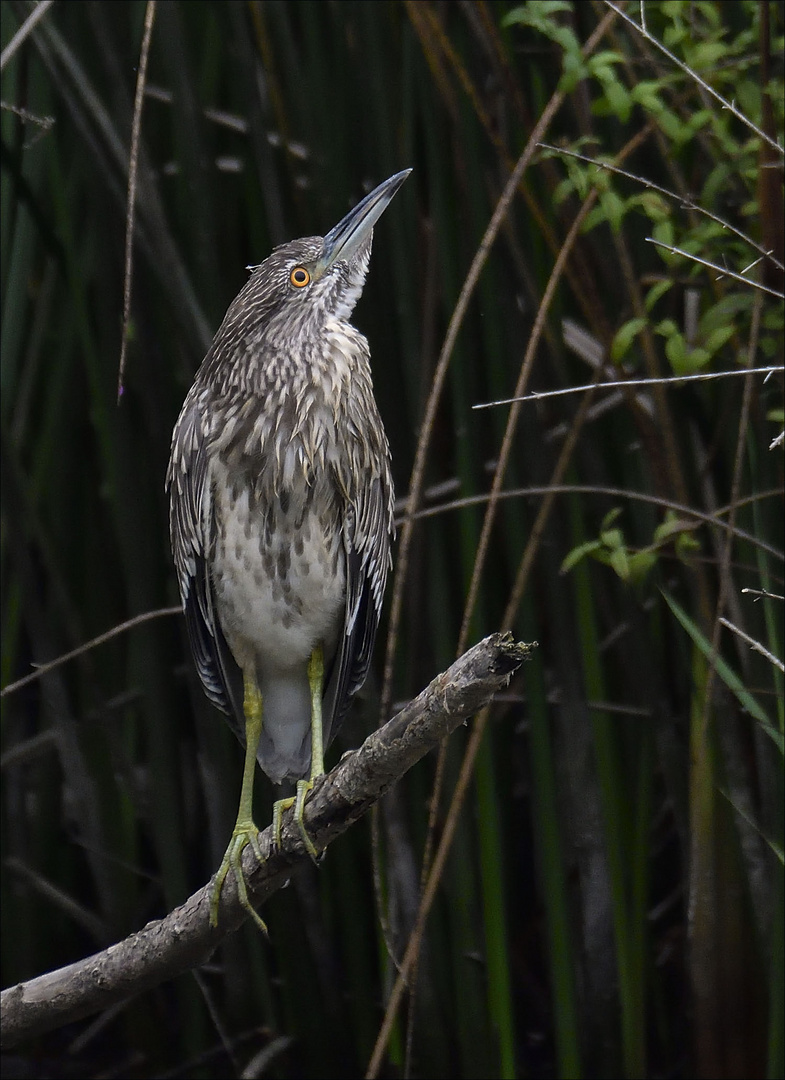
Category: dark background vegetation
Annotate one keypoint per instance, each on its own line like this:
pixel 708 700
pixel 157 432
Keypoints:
pixel 613 901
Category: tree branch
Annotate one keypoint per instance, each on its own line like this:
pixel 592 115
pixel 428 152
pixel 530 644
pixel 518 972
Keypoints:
pixel 184 939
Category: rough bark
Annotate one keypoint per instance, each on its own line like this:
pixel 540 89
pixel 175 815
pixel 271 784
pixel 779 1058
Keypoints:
pixel 184 939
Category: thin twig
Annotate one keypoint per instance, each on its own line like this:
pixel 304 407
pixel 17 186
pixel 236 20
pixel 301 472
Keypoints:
pixel 761 594
pixel 136 127
pixel 721 270
pixel 44 669
pixel 714 518
pixel 624 384
pixel 753 644
pixel 24 31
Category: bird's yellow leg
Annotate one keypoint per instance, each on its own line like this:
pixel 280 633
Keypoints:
pixel 245 831
pixel 316 684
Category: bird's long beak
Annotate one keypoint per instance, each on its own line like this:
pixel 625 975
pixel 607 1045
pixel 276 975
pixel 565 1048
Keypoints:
pixel 348 235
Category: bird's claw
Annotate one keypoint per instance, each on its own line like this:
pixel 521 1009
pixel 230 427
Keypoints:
pixel 245 833
pixel 298 802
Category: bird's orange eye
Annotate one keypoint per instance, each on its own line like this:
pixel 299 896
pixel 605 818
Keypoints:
pixel 299 277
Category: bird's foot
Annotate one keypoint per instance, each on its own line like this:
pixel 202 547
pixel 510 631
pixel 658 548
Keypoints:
pixel 298 802
pixel 245 833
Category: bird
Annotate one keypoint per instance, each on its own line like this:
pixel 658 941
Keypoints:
pixel 281 515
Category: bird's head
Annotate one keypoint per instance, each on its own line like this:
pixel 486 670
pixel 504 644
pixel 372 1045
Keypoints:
pixel 304 283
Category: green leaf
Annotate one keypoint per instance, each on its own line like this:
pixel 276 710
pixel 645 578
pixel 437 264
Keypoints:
pixel 613 539
pixel 773 318
pixel 601 63
pixel 699 120
pixel 666 327
pixel 716 182
pixel 676 351
pixel 670 527
pixel 653 205
pixel 640 564
pixel 595 217
pixel 680 532
pixel 663 233
pixel 577 554
pixel 614 208
pixel 574 69
pixel 620 563
pixel 610 517
pixel 535 12
pixel 725 312
pixel 706 54
pixel 748 94
pixel 564 189
pixel 646 94
pixel 656 291
pixel 714 342
pixel 618 99
pixel 672 124
pixel 686 547
pixel 625 336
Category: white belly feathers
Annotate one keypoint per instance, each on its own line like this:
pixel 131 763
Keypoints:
pixel 298 601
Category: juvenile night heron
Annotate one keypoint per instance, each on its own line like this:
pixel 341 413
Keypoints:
pixel 281 513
